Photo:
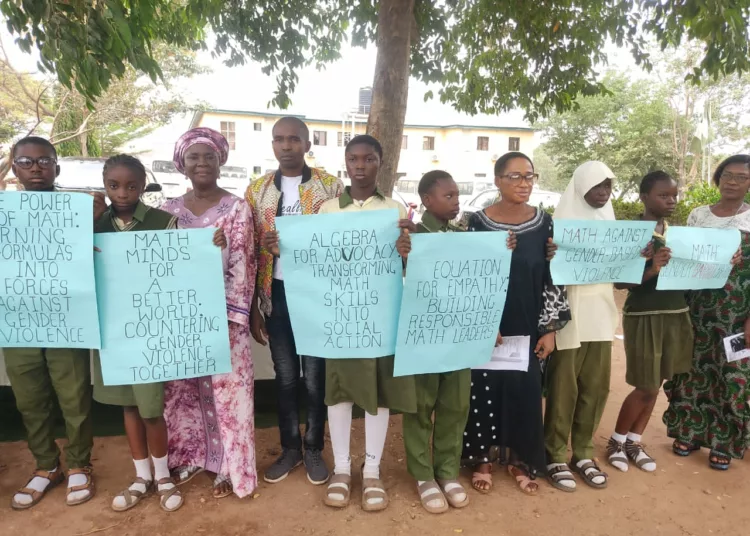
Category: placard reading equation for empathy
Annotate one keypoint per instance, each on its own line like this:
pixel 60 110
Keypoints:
pixel 343 282
pixel 599 251
pixel 453 301
pixel 701 258
pixel 47 294
pixel 161 305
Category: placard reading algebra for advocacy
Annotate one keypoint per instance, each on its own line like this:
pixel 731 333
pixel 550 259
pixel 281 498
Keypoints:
pixel 162 306
pixel 453 301
pixel 47 297
pixel 599 251
pixel 343 282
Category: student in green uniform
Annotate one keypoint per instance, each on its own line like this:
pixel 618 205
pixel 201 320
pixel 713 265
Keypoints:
pixel 657 329
pixel 143 404
pixel 435 467
pixel 38 375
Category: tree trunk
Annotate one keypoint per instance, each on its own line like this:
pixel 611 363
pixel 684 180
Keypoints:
pixel 391 85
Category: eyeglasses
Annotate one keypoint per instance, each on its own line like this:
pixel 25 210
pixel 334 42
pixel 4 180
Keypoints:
pixel 739 179
pixel 518 177
pixel 24 162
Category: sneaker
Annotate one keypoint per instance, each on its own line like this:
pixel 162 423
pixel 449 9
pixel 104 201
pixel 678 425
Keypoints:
pixel 280 469
pixel 317 472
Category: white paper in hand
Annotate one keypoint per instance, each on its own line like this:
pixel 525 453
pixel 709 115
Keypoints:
pixel 513 354
pixel 735 348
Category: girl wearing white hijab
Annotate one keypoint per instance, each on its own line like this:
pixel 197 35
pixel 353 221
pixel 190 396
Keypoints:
pixel 578 371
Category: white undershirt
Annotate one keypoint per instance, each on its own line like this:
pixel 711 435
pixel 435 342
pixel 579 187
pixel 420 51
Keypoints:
pixel 290 206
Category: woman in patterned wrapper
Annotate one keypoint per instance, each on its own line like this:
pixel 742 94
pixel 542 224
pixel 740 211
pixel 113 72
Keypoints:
pixel 506 406
pixel 210 419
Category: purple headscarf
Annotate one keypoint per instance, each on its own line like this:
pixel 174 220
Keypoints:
pixel 204 135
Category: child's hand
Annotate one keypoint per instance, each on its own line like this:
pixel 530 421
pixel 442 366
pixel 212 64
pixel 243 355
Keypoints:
pixel 551 249
pixel 270 241
pixel 648 252
pixel 408 225
pixel 545 346
pixel 220 239
pixel 96 249
pixel 499 339
pixel 100 205
pixel 737 257
pixel 258 326
pixel 403 244
pixel 512 241
pixel 661 258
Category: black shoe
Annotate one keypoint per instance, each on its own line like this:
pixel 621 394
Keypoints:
pixel 280 469
pixel 317 472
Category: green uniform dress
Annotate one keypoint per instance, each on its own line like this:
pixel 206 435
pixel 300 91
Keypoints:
pixel 658 332
pixel 148 397
pixel 446 395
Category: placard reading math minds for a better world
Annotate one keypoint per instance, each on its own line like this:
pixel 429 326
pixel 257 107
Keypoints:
pixel 453 301
pixel 701 258
pixel 47 294
pixel 343 282
pixel 600 251
pixel 161 306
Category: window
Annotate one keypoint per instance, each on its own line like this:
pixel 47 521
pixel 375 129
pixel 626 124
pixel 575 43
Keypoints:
pixel 404 142
pixel 465 188
pixel 428 143
pixel 483 143
pixel 406 186
pixel 257 127
pixel 227 130
pixel 256 170
pixel 514 144
pixel 342 175
pixel 400 175
pixel 342 138
pixel 320 137
pixel 480 175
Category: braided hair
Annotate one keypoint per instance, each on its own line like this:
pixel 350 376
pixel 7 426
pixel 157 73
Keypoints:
pixel 127 161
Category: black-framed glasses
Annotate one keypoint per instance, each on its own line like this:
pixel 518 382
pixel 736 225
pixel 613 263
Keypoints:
pixel 24 162
pixel 518 177
pixel 739 178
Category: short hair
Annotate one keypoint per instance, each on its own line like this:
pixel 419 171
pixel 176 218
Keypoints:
pixel 431 178
pixel 34 140
pixel 648 181
pixel 501 162
pixel 130 162
pixel 735 159
pixel 365 139
pixel 296 121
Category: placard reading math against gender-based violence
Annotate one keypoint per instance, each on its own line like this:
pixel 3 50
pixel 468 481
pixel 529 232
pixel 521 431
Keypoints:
pixel 47 295
pixel 162 306
pixel 343 282
pixel 600 251
pixel 453 301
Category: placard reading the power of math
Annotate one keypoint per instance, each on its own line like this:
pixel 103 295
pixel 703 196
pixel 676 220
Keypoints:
pixel 600 251
pixel 343 282
pixel 453 301
pixel 162 307
pixel 47 294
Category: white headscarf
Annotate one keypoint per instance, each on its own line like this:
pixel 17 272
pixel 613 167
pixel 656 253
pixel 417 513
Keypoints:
pixel 573 206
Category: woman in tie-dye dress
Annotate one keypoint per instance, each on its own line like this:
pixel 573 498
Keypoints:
pixel 210 419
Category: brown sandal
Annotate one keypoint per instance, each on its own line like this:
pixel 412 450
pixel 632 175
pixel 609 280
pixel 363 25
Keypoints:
pixel 339 484
pixel 54 477
pixel 88 486
pixel 133 496
pixel 456 489
pixel 373 488
pixel 222 494
pixel 165 494
pixel 430 491
pixel 525 483
pixel 477 478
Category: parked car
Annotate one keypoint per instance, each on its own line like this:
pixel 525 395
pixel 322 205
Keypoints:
pixel 483 200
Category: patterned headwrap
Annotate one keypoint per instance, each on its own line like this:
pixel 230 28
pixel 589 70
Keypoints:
pixel 204 135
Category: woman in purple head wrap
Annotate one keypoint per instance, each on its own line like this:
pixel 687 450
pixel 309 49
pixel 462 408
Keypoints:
pixel 211 419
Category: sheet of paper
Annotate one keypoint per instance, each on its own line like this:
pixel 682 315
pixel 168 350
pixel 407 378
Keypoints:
pixel 513 354
pixel 735 348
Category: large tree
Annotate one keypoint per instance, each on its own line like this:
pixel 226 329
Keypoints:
pixel 486 55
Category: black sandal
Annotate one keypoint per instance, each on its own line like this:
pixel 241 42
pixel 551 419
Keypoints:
pixel 557 479
pixel 722 460
pixel 589 471
pixel 683 449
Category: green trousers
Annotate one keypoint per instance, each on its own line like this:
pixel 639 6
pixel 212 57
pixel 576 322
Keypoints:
pixel 447 396
pixel 577 391
pixel 36 376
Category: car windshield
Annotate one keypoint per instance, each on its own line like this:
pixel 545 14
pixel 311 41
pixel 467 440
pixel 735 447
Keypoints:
pixel 163 166
pixel 80 174
pixel 484 199
pixel 465 188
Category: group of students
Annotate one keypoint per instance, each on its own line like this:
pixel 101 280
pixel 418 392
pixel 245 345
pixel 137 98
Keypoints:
pixel 471 418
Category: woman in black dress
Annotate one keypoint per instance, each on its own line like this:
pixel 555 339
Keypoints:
pixel 506 406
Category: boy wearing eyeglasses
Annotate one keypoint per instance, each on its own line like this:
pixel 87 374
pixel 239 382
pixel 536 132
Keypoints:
pixel 38 375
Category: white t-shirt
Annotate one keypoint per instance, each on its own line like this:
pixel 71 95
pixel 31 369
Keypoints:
pixel 290 206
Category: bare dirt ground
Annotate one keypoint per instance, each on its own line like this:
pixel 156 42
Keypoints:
pixel 683 497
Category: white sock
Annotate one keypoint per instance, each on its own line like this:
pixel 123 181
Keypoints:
pixel 648 467
pixel 77 480
pixel 620 438
pixel 340 428
pixel 571 484
pixel 142 470
pixel 461 496
pixel 376 428
pixel 600 479
pixel 635 438
pixel 38 484
pixel 620 464
pixel 161 470
pixel 432 503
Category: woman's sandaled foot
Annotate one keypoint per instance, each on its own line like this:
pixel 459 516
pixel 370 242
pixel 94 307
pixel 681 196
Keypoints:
pixel 524 481
pixel 222 487
pixel 683 449
pixel 170 498
pixel 80 486
pixel 432 497
pixel 591 474
pixel 561 477
pixel 481 478
pixel 454 492
pixel 29 495
pixel 185 473
pixel 719 461
pixel 130 497
pixel 338 492
pixel 616 455
pixel 637 454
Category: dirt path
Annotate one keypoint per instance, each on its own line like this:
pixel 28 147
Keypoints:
pixel 684 497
